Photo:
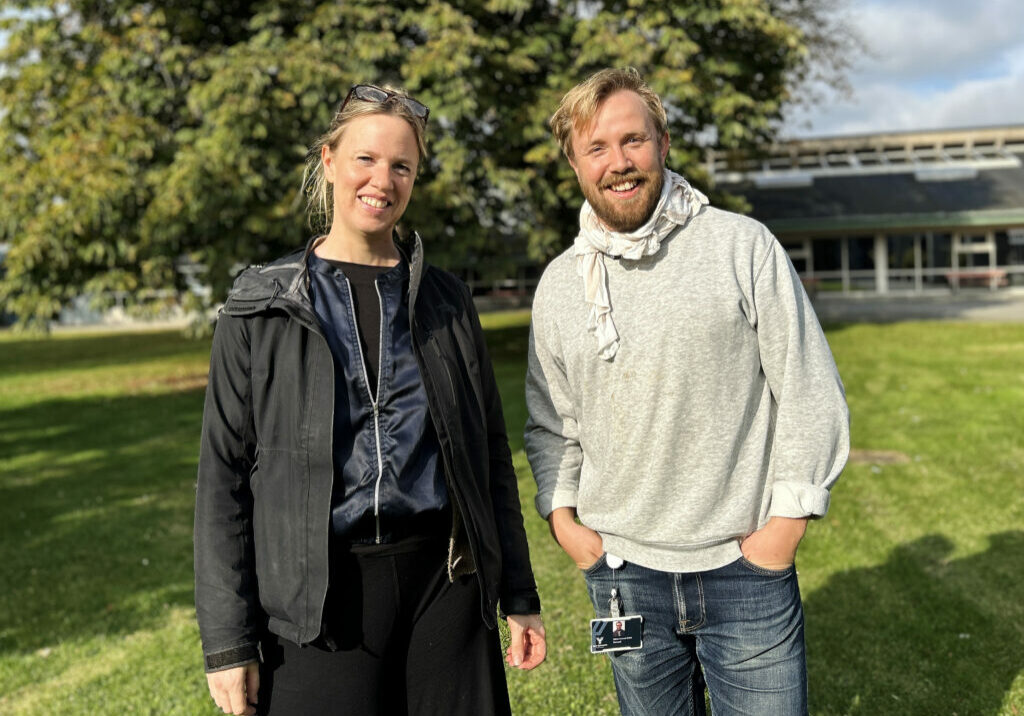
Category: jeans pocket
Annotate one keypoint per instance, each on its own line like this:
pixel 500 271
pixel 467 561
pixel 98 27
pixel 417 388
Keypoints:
pixel 596 566
pixel 765 571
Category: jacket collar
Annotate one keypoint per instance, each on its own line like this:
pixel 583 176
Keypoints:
pixel 411 249
pixel 287 279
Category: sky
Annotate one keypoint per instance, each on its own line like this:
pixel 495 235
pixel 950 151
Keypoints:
pixel 928 64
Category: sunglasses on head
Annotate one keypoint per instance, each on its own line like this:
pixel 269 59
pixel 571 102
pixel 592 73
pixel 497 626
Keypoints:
pixel 370 93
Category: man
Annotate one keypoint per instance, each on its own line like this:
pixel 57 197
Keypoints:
pixel 685 407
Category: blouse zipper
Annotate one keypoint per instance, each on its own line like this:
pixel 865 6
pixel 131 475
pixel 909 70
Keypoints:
pixel 374 400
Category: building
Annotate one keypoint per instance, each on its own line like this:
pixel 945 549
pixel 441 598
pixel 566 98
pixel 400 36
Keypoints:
pixel 913 212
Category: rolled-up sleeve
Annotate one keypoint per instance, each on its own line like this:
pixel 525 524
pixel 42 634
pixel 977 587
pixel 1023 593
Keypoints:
pixel 811 440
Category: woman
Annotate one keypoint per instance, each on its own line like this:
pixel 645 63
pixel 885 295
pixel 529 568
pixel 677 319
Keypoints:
pixel 357 514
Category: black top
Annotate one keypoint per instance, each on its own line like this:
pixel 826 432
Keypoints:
pixel 366 301
pixel 386 455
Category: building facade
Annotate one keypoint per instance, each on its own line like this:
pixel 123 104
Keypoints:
pixel 914 212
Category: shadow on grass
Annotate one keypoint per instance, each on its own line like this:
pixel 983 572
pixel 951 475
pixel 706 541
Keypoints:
pixel 921 634
pixel 97 494
pixel 96 503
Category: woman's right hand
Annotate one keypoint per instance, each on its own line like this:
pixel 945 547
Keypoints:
pixel 235 690
pixel 580 542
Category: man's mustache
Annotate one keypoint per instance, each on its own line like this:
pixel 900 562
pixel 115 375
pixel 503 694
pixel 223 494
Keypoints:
pixel 620 178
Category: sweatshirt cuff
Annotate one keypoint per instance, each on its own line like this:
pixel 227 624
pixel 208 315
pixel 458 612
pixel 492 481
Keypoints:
pixel 548 501
pixel 798 499
pixel 232 657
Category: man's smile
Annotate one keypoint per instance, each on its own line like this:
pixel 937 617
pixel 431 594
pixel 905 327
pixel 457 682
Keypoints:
pixel 625 188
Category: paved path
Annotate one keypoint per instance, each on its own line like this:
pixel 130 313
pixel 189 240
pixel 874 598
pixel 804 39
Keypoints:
pixel 980 305
pixel 983 305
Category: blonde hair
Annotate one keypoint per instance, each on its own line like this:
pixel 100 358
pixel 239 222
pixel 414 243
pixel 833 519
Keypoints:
pixel 580 104
pixel 319 197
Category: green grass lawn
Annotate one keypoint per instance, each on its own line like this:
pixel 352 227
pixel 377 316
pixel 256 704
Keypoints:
pixel 913 583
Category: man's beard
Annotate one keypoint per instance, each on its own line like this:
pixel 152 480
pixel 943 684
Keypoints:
pixel 625 216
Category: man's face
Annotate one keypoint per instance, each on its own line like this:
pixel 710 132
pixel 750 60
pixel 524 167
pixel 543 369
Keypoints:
pixel 619 162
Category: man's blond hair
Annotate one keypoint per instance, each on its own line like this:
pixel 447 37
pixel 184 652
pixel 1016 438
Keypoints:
pixel 580 104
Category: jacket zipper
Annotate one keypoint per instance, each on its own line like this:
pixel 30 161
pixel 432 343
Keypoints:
pixel 448 470
pixel 374 400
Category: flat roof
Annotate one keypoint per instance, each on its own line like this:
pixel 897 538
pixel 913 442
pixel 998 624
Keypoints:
pixel 883 147
pixel 940 187
pixel 870 223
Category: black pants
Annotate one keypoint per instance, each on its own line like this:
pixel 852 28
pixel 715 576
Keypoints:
pixel 406 640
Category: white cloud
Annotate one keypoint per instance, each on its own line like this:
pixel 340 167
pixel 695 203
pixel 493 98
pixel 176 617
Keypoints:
pixel 934 65
pixel 913 40
pixel 882 107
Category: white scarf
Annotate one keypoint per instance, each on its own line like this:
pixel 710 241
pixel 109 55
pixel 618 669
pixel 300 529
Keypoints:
pixel 679 201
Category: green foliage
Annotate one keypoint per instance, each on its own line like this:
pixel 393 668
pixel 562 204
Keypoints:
pixel 134 136
pixel 912 583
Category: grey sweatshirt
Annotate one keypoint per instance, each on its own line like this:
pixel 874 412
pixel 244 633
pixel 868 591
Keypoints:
pixel 721 409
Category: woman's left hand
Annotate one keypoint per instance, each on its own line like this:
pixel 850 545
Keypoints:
pixel 527 645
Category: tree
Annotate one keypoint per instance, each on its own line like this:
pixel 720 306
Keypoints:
pixel 135 137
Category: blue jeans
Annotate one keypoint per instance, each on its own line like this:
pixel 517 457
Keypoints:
pixel 742 623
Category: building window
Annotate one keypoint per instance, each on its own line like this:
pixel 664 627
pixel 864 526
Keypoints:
pixel 1010 253
pixel 901 262
pixel 797 251
pixel 862 263
pixel 862 253
pixel 1010 248
pixel 975 251
pixel 901 252
pixel 936 257
pixel 828 255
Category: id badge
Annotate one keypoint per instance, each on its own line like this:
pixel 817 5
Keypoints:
pixel 616 634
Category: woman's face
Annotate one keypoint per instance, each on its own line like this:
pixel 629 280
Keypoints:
pixel 372 169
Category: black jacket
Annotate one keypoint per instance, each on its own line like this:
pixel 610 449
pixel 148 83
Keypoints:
pixel 263 499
